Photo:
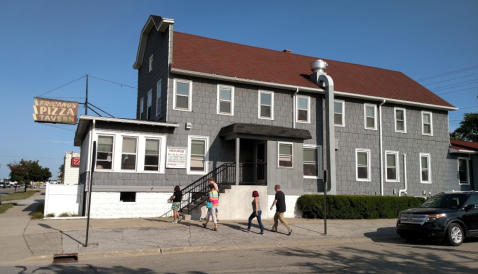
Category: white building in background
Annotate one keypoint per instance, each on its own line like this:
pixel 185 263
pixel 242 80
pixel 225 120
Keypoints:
pixel 71 168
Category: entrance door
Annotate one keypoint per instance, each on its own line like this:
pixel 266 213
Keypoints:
pixel 261 162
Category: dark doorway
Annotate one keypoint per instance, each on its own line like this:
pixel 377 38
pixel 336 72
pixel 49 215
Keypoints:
pixel 261 160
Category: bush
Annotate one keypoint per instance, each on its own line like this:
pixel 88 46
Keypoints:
pixel 38 213
pixel 64 214
pixel 50 215
pixel 356 207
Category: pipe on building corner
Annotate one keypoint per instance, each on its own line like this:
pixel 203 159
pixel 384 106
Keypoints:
pixel 404 175
pixel 381 146
pixel 294 104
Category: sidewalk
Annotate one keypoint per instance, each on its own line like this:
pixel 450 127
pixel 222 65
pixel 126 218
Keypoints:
pixel 22 239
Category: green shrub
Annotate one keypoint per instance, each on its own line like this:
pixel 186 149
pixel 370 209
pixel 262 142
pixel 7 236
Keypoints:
pixel 356 207
pixel 64 214
pixel 38 212
pixel 50 215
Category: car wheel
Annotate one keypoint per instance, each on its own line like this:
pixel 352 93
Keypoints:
pixel 454 235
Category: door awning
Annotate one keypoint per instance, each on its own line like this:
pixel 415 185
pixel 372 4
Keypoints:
pixel 242 129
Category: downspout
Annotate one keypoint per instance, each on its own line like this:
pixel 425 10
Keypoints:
pixel 381 148
pixel 294 105
pixel 404 175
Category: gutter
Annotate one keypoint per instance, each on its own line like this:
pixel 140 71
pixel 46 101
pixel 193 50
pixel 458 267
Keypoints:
pixel 294 105
pixel 302 88
pixel 381 147
pixel 404 175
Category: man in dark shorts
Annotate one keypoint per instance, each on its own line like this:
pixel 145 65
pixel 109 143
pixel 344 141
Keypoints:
pixel 279 202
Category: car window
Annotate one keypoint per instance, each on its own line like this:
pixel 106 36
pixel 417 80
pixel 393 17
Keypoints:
pixel 472 200
pixel 454 200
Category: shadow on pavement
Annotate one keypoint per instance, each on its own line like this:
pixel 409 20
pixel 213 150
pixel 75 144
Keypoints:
pixel 79 269
pixel 31 208
pixel 49 227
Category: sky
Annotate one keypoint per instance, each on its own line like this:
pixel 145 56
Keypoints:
pixel 47 44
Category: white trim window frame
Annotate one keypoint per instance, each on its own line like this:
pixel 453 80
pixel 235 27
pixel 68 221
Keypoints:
pixel 399 119
pixel 150 63
pixel 467 170
pixel 260 105
pixel 429 123
pixel 150 154
pixel 109 158
pixel 158 97
pixel 309 162
pixel 342 113
pixel 359 166
pixel 392 166
pixel 125 155
pixel 427 168
pixel 149 102
pixel 300 108
pixel 141 108
pixel 181 95
pixel 197 157
pixel 222 99
pixel 289 157
pixel 367 116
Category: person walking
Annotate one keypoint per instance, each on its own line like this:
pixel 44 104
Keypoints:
pixel 213 182
pixel 279 202
pixel 256 212
pixel 176 200
pixel 213 198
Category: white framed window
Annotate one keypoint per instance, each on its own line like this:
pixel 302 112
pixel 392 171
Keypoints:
pixel 425 168
pixel 141 108
pixel 225 100
pixel 362 165
pixel 152 154
pixel 128 154
pixel 427 123
pixel 463 171
pixel 339 113
pixel 370 116
pixel 149 102
pixel 303 109
pixel 158 98
pixel 311 161
pixel 266 105
pixel 392 170
pixel 400 115
pixel 104 152
pixel 150 63
pixel 285 154
pixel 197 159
pixel 182 98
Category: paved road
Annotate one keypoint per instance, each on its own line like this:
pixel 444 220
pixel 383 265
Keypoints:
pixel 390 256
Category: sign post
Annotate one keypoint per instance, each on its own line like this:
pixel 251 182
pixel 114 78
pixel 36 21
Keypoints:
pixel 93 163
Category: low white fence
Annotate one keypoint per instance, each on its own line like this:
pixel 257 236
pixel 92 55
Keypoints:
pixel 63 199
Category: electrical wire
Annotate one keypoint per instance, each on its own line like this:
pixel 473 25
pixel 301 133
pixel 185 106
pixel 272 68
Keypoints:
pixel 100 109
pixel 61 86
pixel 452 79
pixel 456 91
pixel 457 85
pixel 447 73
pixel 109 81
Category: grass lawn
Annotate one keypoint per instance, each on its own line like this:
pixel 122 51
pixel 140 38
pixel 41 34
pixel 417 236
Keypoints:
pixel 19 195
pixel 5 207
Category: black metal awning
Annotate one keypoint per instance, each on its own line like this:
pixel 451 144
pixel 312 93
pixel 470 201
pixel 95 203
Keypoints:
pixel 242 129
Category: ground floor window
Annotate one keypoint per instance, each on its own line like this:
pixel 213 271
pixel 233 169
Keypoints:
pixel 197 154
pixel 425 170
pixel 151 154
pixel 311 162
pixel 104 153
pixel 128 197
pixel 463 173
pixel 362 167
pixel 286 152
pixel 392 169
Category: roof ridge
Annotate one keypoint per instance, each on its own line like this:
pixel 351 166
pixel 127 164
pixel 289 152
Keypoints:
pixel 277 51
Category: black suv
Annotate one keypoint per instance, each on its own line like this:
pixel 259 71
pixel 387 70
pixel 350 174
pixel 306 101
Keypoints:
pixel 450 216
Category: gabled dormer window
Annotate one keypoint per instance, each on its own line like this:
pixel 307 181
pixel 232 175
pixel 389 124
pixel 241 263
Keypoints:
pixel 141 108
pixel 149 108
pixel 150 63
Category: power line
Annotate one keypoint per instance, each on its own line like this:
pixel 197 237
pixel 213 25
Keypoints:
pixel 452 79
pixel 456 91
pixel 128 86
pixel 61 86
pixel 447 73
pixel 457 85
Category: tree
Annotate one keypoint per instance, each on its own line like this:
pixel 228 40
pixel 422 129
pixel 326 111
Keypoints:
pixel 60 173
pixel 26 171
pixel 468 130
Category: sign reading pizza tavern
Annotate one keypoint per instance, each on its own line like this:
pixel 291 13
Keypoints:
pixel 55 111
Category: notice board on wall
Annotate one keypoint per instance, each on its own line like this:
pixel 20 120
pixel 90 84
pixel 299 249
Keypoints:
pixel 176 157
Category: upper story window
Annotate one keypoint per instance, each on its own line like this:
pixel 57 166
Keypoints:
pixel 158 98
pixel 362 167
pixel 150 63
pixel 266 105
pixel 128 156
pixel 225 100
pixel 151 154
pixel 104 154
pixel 311 164
pixel 149 108
pixel 392 169
pixel 400 120
pixel 463 172
pixel 427 123
pixel 425 169
pixel 141 108
pixel 286 155
pixel 339 113
pixel 370 113
pixel 303 109
pixel 197 154
pixel 182 95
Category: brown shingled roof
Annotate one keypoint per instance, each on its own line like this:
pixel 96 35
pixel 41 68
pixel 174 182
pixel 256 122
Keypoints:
pixel 464 145
pixel 206 55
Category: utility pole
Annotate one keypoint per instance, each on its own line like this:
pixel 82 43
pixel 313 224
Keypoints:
pixel 86 102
